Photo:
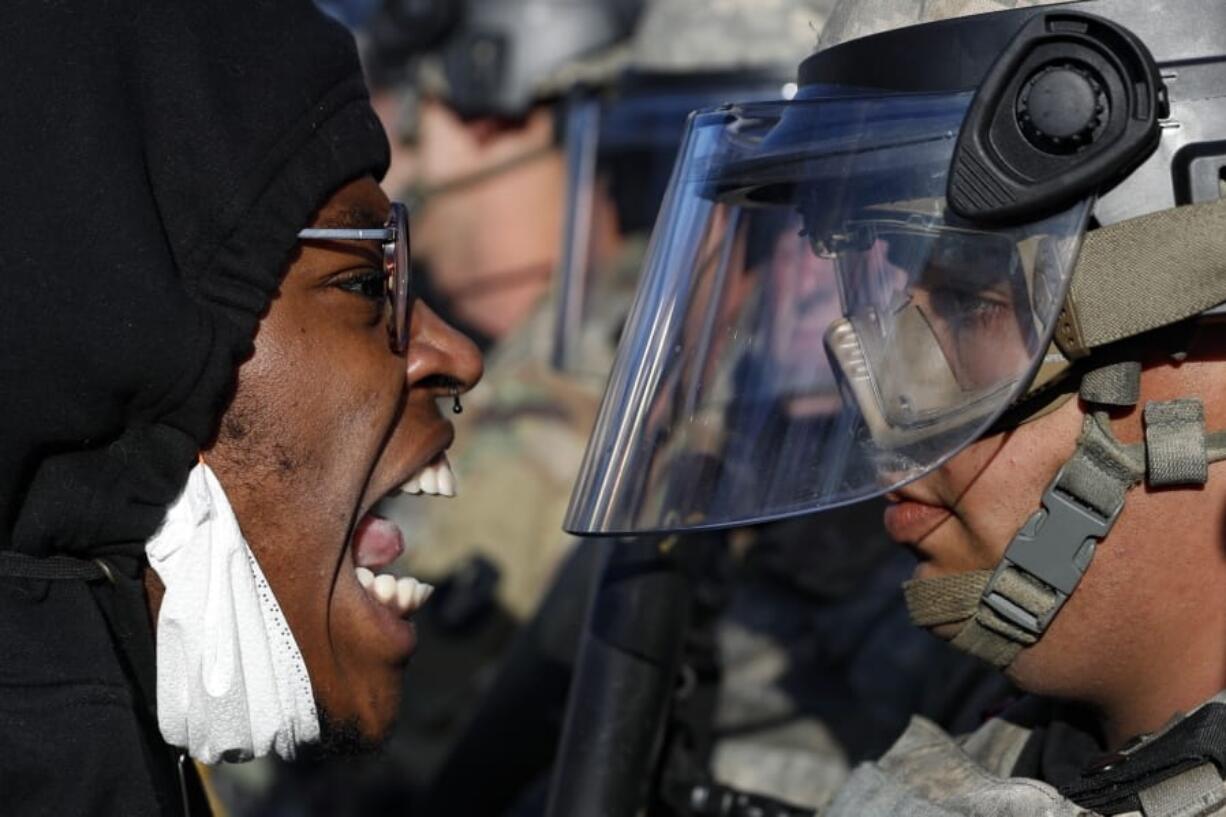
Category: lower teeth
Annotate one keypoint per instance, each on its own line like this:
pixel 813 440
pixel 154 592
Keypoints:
pixel 405 594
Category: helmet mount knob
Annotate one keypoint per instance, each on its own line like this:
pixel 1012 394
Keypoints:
pixel 1062 108
pixel 1069 107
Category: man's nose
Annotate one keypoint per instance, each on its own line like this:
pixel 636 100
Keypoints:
pixel 439 357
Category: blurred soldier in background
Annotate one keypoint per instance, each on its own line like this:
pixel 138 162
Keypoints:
pixel 489 176
pixel 491 204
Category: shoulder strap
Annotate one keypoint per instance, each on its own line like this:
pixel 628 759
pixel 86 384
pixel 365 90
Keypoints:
pixel 1175 772
pixel 1143 274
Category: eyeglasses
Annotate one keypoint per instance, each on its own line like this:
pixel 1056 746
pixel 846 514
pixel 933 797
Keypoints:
pixel 399 281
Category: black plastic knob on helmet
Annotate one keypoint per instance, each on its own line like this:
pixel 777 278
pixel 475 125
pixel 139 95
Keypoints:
pixel 1071 105
pixel 1063 108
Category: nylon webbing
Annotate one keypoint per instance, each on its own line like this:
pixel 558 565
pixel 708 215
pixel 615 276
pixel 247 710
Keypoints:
pixel 1145 273
pixel 52 568
pixel 1102 469
pixel 1024 594
pixel 945 599
pixel 1116 384
pixel 1118 786
pixel 1192 793
pixel 1175 451
pixel 957 599
pixel 1215 446
pixel 995 639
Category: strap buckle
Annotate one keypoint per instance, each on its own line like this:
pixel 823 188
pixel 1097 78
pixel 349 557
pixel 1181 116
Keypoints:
pixel 1054 547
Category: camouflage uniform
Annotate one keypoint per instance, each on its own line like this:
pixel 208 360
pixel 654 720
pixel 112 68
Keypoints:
pixel 927 773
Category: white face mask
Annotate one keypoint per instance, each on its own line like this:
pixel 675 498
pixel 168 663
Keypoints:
pixel 231 682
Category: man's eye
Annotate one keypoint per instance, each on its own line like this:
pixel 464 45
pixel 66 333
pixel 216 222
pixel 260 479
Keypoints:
pixel 367 283
pixel 966 310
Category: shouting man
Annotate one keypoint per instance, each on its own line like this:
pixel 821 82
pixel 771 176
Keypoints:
pixel 213 367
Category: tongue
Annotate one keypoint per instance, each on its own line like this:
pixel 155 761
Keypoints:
pixel 376 542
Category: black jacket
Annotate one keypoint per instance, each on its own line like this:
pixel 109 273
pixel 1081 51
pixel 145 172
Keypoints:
pixel 156 161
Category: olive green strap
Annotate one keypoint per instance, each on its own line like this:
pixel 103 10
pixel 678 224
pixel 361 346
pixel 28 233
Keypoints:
pixel 1102 469
pixel 1175 451
pixel 1116 384
pixel 1144 273
pixel 945 599
pixel 998 638
pixel 957 599
pixel 1130 278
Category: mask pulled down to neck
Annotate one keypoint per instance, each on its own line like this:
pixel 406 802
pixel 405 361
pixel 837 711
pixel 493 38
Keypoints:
pixel 231 681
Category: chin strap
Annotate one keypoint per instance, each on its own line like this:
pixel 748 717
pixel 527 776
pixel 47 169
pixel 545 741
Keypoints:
pixel 1004 610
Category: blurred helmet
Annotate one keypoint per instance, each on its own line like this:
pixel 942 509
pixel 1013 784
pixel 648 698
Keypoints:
pixel 902 238
pixel 400 32
pixel 496 57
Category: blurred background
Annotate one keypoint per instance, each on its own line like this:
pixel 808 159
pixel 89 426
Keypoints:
pixel 533 141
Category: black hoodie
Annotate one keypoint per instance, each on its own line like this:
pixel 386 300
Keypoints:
pixel 157 159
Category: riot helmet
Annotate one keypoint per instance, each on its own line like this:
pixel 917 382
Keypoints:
pixel 950 228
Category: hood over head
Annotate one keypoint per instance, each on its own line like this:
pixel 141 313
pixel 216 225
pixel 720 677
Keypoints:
pixel 158 160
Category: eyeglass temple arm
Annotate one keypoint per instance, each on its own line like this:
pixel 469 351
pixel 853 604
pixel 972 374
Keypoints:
pixel 381 234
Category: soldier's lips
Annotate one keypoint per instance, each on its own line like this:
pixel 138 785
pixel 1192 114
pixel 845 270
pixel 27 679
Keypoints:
pixel 908 520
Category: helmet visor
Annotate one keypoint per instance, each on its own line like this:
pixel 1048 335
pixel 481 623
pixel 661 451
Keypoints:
pixel 621 148
pixel 813 328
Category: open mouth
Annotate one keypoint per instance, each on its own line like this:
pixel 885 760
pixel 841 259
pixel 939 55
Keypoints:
pixel 378 543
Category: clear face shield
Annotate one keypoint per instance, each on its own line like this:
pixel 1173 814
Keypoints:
pixel 813 326
pixel 621 147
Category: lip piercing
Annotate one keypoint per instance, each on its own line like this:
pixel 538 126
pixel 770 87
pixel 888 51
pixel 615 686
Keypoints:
pixel 456 408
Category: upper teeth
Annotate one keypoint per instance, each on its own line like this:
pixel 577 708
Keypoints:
pixel 436 479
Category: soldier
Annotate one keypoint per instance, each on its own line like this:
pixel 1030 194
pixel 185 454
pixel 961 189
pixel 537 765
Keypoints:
pixel 1020 217
pixel 542 383
pixel 488 192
